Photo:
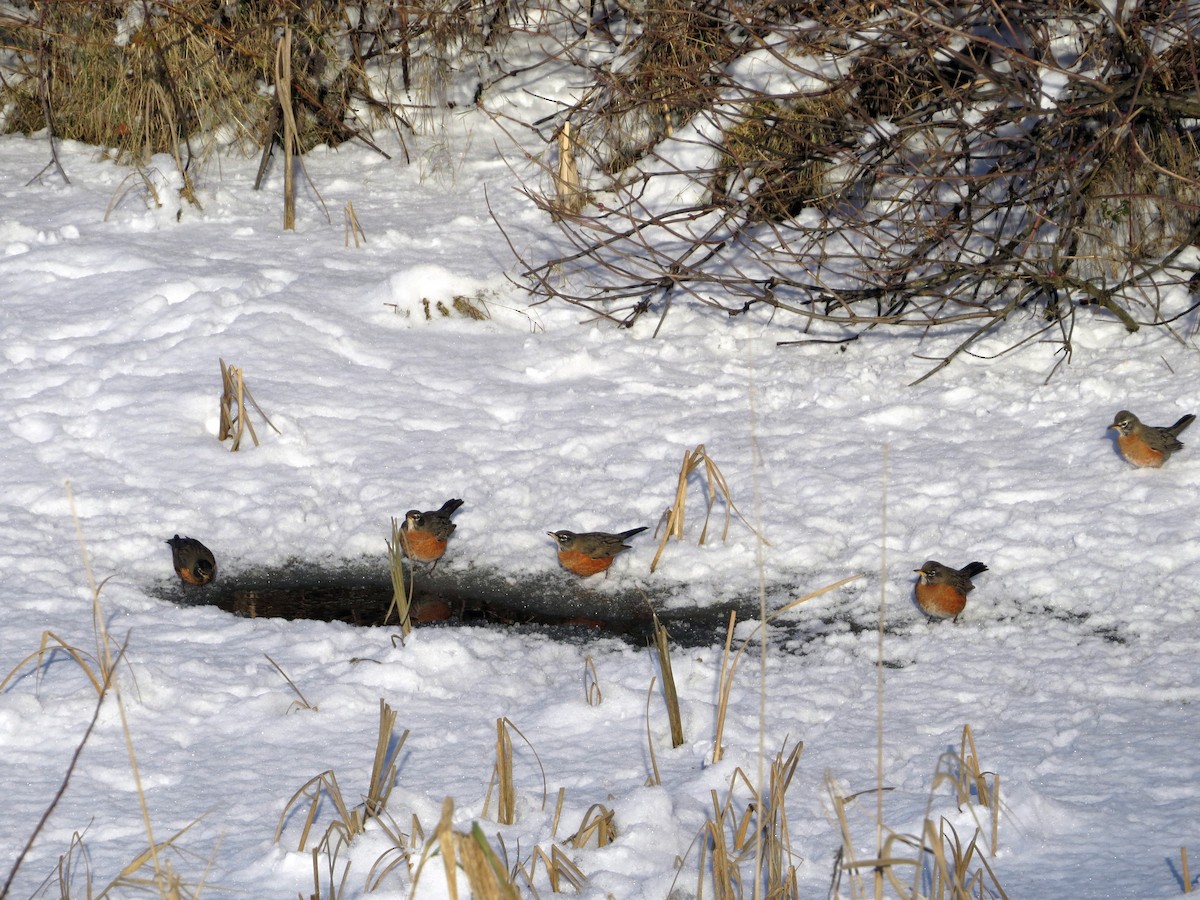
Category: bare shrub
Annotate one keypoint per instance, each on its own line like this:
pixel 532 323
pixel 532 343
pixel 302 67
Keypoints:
pixel 864 165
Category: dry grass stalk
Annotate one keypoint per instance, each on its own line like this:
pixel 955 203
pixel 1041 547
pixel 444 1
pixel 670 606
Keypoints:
pixel 283 96
pixel 1185 871
pixel 729 666
pixel 654 779
pixel 353 228
pixel 670 695
pixel 337 887
pixel 757 835
pixel 349 822
pixel 401 586
pixel 569 192
pixel 560 869
pixel 597 823
pixel 506 801
pixel 963 772
pixel 715 482
pixel 486 877
pixel 302 701
pixel 234 419
pixel 591 683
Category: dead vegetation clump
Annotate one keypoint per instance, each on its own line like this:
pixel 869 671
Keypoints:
pixel 863 166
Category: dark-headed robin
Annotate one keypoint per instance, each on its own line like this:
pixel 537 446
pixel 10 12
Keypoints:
pixel 942 591
pixel 193 562
pixel 591 552
pixel 425 534
pixel 1147 446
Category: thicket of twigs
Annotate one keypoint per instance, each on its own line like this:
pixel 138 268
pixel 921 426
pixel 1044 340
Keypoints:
pixel 867 163
pixel 856 162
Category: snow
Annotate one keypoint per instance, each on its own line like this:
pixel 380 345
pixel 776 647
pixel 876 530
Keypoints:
pixel 1075 663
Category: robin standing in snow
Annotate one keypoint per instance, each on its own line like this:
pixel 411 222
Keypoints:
pixel 194 563
pixel 591 552
pixel 1147 445
pixel 424 534
pixel 942 591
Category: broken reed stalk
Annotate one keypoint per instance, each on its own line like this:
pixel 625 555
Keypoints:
pixel 401 603
pixel 283 96
pixel 383 769
pixel 570 194
pixel 598 822
pixel 670 695
pixel 234 395
pixel 560 870
pixel 1186 872
pixel 506 805
pixel 486 876
pixel 716 484
pixel 728 666
pixel 353 228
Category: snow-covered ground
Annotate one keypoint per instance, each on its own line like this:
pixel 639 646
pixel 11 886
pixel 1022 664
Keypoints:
pixel 1075 663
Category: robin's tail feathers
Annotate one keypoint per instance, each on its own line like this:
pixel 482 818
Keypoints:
pixel 450 506
pixel 972 569
pixel 624 535
pixel 1183 423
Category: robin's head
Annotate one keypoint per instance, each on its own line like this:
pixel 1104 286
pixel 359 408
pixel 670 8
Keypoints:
pixel 413 519
pixel 204 570
pixel 1124 422
pixel 930 569
pixel 564 538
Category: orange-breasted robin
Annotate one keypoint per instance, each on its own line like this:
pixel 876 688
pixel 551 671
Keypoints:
pixel 193 562
pixel 942 591
pixel 1147 445
pixel 425 534
pixel 591 552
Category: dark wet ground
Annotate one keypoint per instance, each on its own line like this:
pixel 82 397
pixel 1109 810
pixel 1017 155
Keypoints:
pixel 559 603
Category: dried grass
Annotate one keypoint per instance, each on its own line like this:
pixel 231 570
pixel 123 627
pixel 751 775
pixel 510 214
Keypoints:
pixel 234 420
pixel 402 584
pixel 698 461
pixel 486 877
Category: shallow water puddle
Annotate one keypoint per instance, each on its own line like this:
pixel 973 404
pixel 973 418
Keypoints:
pixel 361 595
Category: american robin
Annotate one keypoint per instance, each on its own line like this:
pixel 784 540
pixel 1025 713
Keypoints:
pixel 193 562
pixel 1147 445
pixel 942 591
pixel 591 552
pixel 424 534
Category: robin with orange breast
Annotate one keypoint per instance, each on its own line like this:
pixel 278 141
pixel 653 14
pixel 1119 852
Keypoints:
pixel 942 591
pixel 193 562
pixel 424 535
pixel 591 552
pixel 1147 446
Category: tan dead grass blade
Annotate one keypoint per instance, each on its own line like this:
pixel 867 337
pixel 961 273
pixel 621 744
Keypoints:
pixel 486 876
pixel 561 871
pixel 502 774
pixel 401 585
pixel 591 683
pixel 301 702
pixel 353 229
pixel 234 395
pixel 654 779
pixel 670 695
pixel 290 148
pixel 567 188
pixel 694 461
pixel 1185 872
pixel 348 821
pixel 757 835
pixel 729 665
pixel 598 823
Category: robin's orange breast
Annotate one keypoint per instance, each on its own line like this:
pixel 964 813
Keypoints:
pixel 1138 452
pixel 941 600
pixel 423 546
pixel 582 563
